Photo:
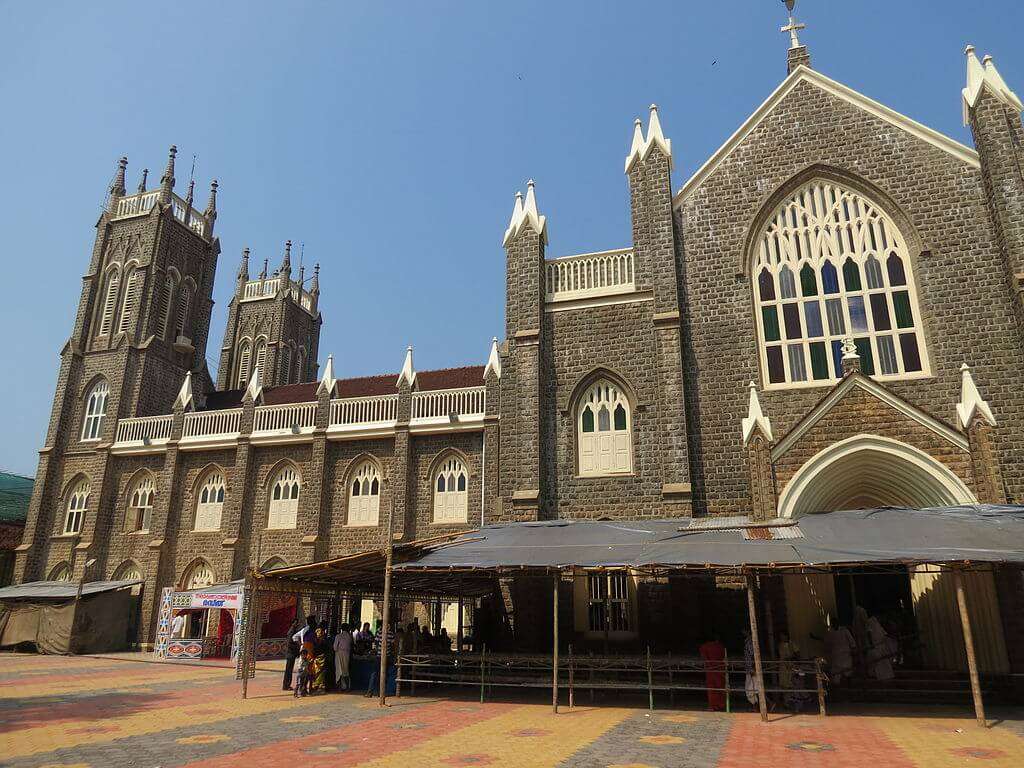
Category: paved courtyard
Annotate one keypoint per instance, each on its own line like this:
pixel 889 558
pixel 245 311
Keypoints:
pixel 104 712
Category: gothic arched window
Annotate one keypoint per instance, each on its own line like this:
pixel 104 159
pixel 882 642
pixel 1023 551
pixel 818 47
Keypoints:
pixel 132 294
pixel 244 359
pixel 181 327
pixel 110 302
pixel 260 358
pixel 167 302
pixel 451 499
pixel 95 410
pixel 198 576
pixel 604 431
pixel 78 505
pixel 60 572
pixel 140 505
pixel 284 499
pixel 364 495
pixel 285 368
pixel 210 502
pixel 830 264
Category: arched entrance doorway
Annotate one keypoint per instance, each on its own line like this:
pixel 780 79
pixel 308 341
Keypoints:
pixel 868 471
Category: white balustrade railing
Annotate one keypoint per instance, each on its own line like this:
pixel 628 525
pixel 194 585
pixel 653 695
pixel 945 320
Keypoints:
pixel 290 417
pixel 136 204
pixel 445 403
pixel 261 289
pixel 194 221
pixel 145 429
pixel 212 423
pixel 590 274
pixel 375 409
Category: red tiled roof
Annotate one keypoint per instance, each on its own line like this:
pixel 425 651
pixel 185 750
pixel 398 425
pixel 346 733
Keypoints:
pixel 361 386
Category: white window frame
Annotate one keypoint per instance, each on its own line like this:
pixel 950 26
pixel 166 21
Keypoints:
pixel 283 500
pixel 451 491
pixel 77 507
pixel 604 446
pixel 364 505
pixel 244 359
pixel 824 221
pixel 210 503
pixel 95 411
pixel 140 505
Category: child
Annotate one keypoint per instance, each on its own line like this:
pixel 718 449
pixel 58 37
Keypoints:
pixel 302 687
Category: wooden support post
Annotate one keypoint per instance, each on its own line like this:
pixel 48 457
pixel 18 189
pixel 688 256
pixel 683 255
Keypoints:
pixel 383 682
pixel 554 645
pixel 819 675
pixel 483 663
pixel 762 703
pixel 728 695
pixel 650 681
pixel 458 634
pixel 972 661
pixel 572 696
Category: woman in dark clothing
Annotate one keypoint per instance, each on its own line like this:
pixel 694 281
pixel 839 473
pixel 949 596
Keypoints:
pixel 290 656
pixel 325 646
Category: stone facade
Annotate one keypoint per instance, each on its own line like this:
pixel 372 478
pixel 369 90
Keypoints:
pixel 667 326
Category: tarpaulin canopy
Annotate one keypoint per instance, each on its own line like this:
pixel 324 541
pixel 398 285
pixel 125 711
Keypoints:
pixel 61 590
pixel 979 533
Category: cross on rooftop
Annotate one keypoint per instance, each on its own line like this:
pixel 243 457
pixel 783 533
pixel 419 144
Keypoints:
pixel 793 27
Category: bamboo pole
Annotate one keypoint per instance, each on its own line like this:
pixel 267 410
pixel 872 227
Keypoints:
pixel 572 667
pixel 650 681
pixel 972 662
pixel 459 632
pixel 388 555
pixel 728 695
pixel 762 703
pixel 819 674
pixel 554 643
pixel 483 662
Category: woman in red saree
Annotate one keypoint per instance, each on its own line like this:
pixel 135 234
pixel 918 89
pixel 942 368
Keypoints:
pixel 713 654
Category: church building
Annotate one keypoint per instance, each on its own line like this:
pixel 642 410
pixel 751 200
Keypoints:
pixel 829 314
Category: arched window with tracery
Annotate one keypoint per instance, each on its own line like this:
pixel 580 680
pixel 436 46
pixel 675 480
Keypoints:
pixel 604 430
pixel 244 358
pixel 60 572
pixel 210 502
pixel 95 410
pixel 198 576
pixel 830 264
pixel 78 505
pixel 451 499
pixel 364 495
pixel 128 571
pixel 284 499
pixel 140 504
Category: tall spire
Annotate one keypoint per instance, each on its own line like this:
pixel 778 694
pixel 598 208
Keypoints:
pixel 117 187
pixel 983 75
pixel 798 55
pixel 243 268
pixel 314 284
pixel 211 205
pixel 185 398
pixel 327 380
pixel 408 373
pixel 142 181
pixel 167 180
pixel 641 147
pixel 493 361
pixel 286 263
pixel 191 196
pixel 526 214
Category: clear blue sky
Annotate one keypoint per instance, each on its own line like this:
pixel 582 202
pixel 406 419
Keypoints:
pixel 391 142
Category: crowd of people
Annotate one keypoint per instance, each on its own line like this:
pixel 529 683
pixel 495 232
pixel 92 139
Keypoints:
pixel 319 660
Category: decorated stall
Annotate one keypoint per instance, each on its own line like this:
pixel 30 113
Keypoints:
pixel 205 623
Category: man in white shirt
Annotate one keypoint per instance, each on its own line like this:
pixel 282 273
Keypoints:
pixel 310 628
pixel 178 626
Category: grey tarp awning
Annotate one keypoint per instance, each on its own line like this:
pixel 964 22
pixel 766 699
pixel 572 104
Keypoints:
pixel 979 533
pixel 61 590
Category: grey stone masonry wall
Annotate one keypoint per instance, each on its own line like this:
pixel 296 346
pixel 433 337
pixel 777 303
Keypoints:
pixel 940 205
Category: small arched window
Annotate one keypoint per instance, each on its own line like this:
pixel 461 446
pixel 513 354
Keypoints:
pixel 854 281
pixel 95 410
pixel 244 359
pixel 78 505
pixel 260 358
pixel 140 505
pixel 61 572
pixel 181 328
pixel 284 499
pixel 167 303
pixel 451 500
pixel 604 431
pixel 364 495
pixel 110 302
pixel 199 575
pixel 300 366
pixel 132 294
pixel 128 571
pixel 210 502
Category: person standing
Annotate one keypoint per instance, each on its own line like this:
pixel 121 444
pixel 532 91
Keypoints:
pixel 290 656
pixel 713 654
pixel 342 654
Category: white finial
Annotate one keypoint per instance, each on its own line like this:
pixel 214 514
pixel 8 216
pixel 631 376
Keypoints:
pixel 526 213
pixel 185 393
pixel 849 349
pixel 408 373
pixel 971 402
pixel 755 417
pixel 641 148
pixel 982 75
pixel 255 388
pixel 327 381
pixel 493 361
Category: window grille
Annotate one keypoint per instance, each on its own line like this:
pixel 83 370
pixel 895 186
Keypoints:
pixel 608 602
